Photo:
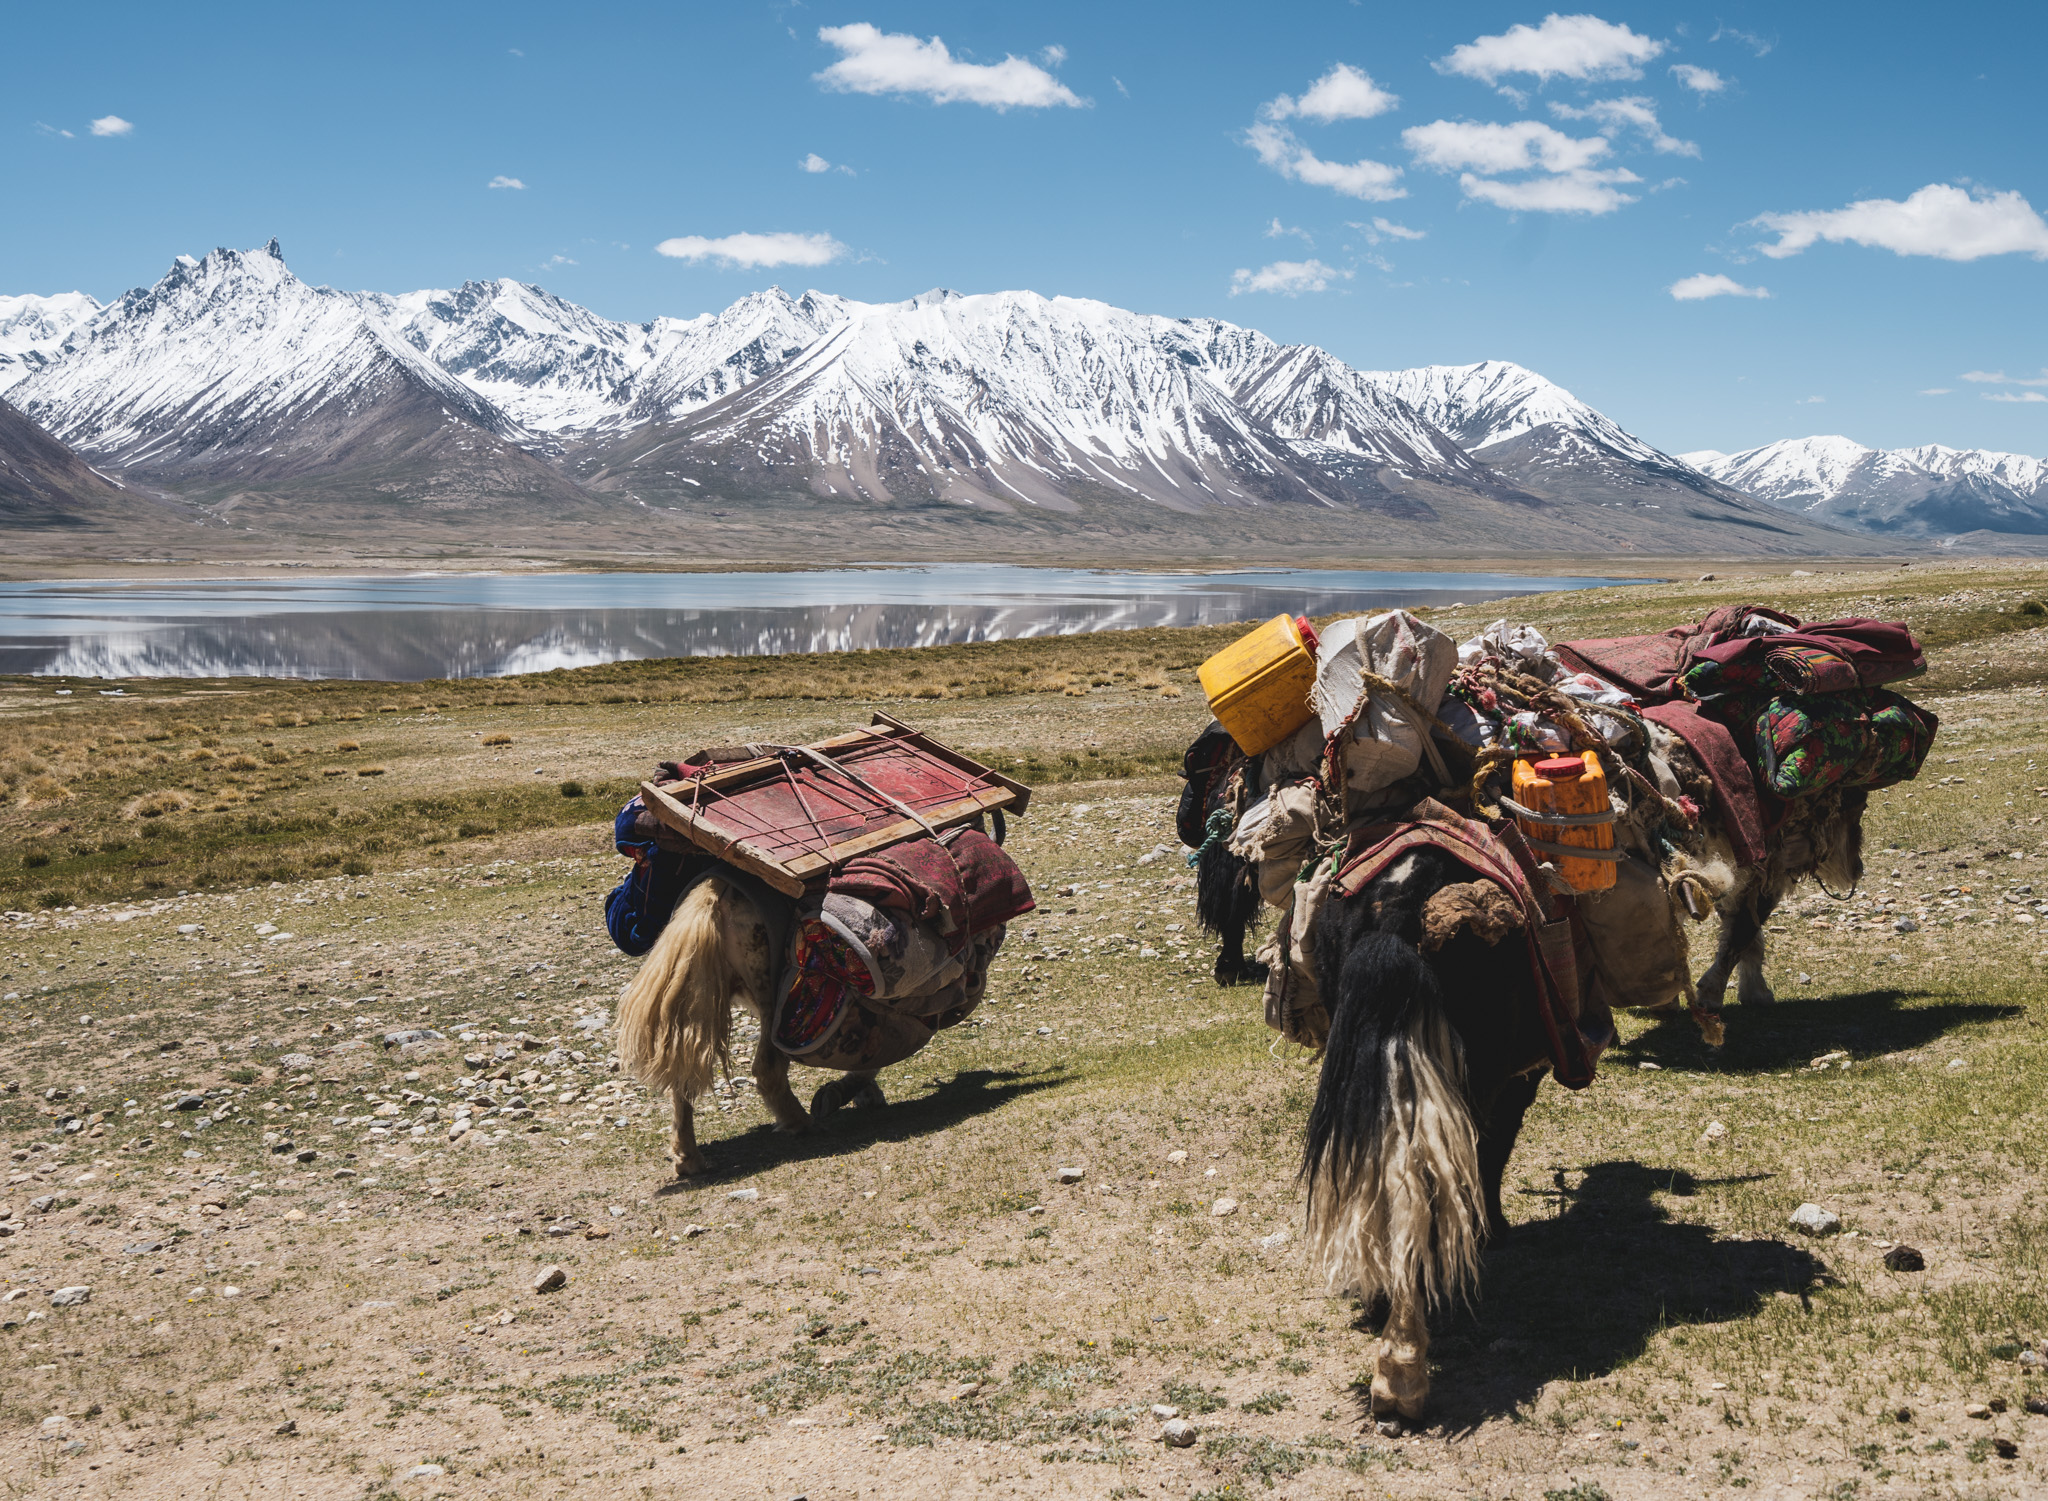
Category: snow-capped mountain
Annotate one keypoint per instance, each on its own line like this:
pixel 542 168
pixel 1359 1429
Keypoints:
pixel 1015 399
pixel 555 367
pixel 1928 491
pixel 234 382
pixel 33 329
pixel 231 372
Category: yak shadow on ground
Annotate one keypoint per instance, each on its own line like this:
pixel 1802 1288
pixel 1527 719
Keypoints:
pixel 943 1102
pixel 1579 1293
pixel 1792 1033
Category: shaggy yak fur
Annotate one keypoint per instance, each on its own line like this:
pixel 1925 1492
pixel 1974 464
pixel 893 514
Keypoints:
pixel 1435 1054
pixel 675 1023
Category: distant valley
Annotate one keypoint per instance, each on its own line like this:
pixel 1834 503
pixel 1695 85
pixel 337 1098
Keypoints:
pixel 233 407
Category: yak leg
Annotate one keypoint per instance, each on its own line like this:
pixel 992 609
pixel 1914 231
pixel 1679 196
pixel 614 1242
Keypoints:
pixel 682 1143
pixel 848 1089
pixel 1400 1375
pixel 1741 933
pixel 1497 1142
pixel 771 1078
pixel 1751 988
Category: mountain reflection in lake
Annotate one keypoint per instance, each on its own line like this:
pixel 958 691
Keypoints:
pixel 407 629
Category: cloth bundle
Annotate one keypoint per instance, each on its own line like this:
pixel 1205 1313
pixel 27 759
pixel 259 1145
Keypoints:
pixel 897 948
pixel 1868 738
pixel 1388 738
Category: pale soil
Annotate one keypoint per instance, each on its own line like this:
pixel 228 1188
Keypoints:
pixel 1650 1328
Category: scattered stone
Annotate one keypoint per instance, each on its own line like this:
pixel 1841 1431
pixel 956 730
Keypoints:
pixel 2032 1360
pixel 43 1203
pixel 288 1427
pixel 190 1102
pixel 425 1472
pixel 549 1278
pixel 296 1061
pixel 598 1232
pixel 307 1155
pixel 1222 1207
pixel 1706 578
pixel 1996 1404
pixel 2005 1448
pixel 1176 1157
pixel 142 1247
pixel 1905 925
pixel 70 1297
pixel 294 1215
pixel 2038 1406
pixel 1904 1415
pixel 744 1195
pixel 1069 1175
pixel 1904 1259
pixel 1164 1410
pixel 1811 1219
pixel 1389 1427
pixel 1179 1433
pixel 1714 1132
pixel 966 1390
pixel 691 1232
pixel 1274 1241
pixel 1976 1410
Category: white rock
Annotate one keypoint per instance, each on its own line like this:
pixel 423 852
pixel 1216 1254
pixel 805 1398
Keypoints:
pixel 425 1472
pixel 547 1279
pixel 1274 1241
pixel 1069 1174
pixel 1176 1157
pixel 70 1297
pixel 744 1195
pixel 1180 1433
pixel 1959 1063
pixel 1222 1207
pixel 1714 1132
pixel 691 1232
pixel 1164 1410
pixel 1811 1219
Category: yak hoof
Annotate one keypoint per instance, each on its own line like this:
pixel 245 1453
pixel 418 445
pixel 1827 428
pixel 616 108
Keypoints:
pixel 1400 1391
pixel 1243 972
pixel 1758 993
pixel 692 1166
pixel 835 1093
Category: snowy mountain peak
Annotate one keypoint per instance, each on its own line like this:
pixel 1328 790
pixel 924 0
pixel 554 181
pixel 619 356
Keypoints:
pixel 1495 401
pixel 33 329
pixel 1929 490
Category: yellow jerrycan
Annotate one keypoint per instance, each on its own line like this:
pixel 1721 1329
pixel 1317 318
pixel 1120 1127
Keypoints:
pixel 1258 685
pixel 1569 787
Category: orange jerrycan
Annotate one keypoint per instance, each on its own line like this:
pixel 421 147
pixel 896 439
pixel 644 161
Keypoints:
pixel 1567 796
pixel 1258 685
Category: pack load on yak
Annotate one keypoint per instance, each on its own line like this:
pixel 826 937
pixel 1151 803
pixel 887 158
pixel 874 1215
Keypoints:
pixel 1478 851
pixel 848 893
pixel 1630 780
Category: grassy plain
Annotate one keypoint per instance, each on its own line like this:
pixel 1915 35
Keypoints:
pixel 226 895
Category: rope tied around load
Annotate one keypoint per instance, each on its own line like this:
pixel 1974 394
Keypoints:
pixel 1214 832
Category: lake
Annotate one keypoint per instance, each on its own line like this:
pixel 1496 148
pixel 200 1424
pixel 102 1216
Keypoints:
pixel 420 626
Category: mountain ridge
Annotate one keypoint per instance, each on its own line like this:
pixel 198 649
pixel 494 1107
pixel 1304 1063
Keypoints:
pixel 1928 491
pixel 290 408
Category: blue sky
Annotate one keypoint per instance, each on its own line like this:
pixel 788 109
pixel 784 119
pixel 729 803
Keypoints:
pixel 1401 184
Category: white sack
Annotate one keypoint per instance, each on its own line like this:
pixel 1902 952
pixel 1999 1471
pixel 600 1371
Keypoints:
pixel 1387 739
pixel 1520 647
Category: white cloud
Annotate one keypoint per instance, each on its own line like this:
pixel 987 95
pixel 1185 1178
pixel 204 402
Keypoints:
pixel 506 182
pixel 1699 80
pixel 1712 284
pixel 2000 378
pixel 1938 391
pixel 1053 56
pixel 1278 149
pixel 751 250
pixel 1631 113
pixel 1748 39
pixel 1276 229
pixel 1811 401
pixel 878 62
pixel 814 163
pixel 1385 229
pixel 2014 396
pixel 111 125
pixel 51 130
pixel 1567 193
pixel 1119 85
pixel 1343 93
pixel 1289 278
pixel 1450 144
pixel 1951 223
pixel 1581 47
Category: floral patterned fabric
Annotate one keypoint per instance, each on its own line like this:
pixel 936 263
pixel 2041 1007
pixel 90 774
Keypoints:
pixel 1870 738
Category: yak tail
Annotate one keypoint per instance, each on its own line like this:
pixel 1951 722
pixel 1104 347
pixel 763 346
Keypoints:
pixel 1395 1202
pixel 675 1023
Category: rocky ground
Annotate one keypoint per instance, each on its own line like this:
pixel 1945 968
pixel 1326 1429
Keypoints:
pixel 326 1187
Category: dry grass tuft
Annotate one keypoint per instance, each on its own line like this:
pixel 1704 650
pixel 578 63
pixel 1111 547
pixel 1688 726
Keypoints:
pixel 369 771
pixel 157 803
pixel 349 745
pixel 496 740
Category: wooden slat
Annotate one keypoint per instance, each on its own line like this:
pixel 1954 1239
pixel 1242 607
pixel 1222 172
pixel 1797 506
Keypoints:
pixel 952 757
pixel 944 817
pixel 721 842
